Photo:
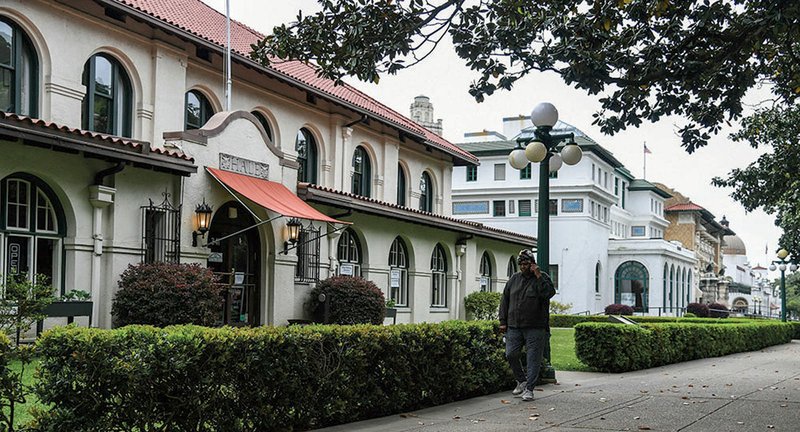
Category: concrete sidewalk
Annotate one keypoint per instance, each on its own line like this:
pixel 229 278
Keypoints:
pixel 754 391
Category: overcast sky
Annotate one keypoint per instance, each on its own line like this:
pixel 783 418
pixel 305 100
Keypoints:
pixel 445 79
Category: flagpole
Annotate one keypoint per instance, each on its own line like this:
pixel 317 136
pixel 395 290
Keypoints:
pixel 644 163
pixel 228 55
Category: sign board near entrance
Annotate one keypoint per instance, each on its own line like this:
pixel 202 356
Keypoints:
pixel 215 257
pixel 243 166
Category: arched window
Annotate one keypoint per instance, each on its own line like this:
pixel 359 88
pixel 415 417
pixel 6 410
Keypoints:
pixel 398 273
pixel 512 266
pixel 666 281
pixel 689 289
pixel 439 277
pixel 264 123
pixel 631 285
pixel 19 71
pixel 107 105
pixel 486 272
pixel 401 186
pixel 198 110
pixel 426 193
pixel 362 173
pixel 32 228
pixel 306 147
pixel 671 285
pixel 685 289
pixel 597 278
pixel 349 254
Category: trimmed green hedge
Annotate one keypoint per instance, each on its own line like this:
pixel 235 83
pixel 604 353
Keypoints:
pixel 572 320
pixel 188 378
pixel 622 348
pixel 796 327
pixel 483 305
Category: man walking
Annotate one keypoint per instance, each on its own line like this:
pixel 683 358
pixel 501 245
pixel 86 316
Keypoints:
pixel 525 318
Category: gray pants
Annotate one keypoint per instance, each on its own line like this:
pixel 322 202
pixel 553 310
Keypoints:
pixel 534 340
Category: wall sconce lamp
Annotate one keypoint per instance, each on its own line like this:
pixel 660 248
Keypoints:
pixel 203 215
pixel 294 233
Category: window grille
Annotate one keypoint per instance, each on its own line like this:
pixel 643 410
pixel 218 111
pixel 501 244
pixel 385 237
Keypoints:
pixel 307 269
pixel 161 232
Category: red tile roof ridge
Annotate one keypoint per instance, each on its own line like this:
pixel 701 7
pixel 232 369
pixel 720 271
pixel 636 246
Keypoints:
pixel 684 206
pixel 436 215
pixel 114 139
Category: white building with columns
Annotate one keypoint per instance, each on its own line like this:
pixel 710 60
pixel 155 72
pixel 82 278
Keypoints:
pixel 606 227
pixel 114 131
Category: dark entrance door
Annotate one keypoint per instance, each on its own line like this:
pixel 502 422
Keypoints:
pixel 236 262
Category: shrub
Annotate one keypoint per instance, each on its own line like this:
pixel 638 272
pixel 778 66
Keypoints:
pixel 618 309
pixel 483 305
pixel 698 309
pixel 189 378
pixel 717 310
pixel 163 294
pixel 559 308
pixel 689 315
pixel 28 299
pixel 351 300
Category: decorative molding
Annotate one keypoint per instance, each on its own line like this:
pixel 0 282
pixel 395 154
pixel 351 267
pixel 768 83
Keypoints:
pixel 244 166
pixel 347 132
pixel 62 90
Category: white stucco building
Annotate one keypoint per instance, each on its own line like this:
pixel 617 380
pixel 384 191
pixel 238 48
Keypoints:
pixel 606 227
pixel 134 136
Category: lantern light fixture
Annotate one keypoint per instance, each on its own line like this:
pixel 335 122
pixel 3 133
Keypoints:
pixel 293 233
pixel 202 215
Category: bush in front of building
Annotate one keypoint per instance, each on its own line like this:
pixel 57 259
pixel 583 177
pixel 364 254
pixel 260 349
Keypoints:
pixel 162 294
pixel 618 309
pixel 622 348
pixel 190 378
pixel 483 305
pixel 698 309
pixel 718 310
pixel 350 300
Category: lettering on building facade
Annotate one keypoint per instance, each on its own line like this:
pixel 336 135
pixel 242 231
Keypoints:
pixel 243 166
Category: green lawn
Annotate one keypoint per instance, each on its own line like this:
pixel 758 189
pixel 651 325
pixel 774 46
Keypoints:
pixel 562 350
pixel 21 412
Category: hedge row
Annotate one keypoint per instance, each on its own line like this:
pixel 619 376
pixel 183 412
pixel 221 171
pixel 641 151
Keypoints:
pixel 188 378
pixel 623 348
pixel 796 327
pixel 572 320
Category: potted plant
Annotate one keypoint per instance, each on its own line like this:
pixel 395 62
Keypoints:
pixel 71 304
pixel 391 311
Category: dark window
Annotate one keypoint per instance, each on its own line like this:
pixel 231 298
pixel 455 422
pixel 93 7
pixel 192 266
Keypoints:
pixel 306 147
pixel 553 207
pixel 198 110
pixel 439 277
pixel 554 275
pixel 472 173
pixel 19 71
pixel 107 105
pixel 486 272
pixel 401 186
pixel 161 239
pixel 499 208
pixel 597 278
pixel 426 193
pixel 362 173
pixel 525 173
pixel 524 207
pixel 398 273
pixel 307 269
pixel 631 285
pixel 349 254
pixel 512 266
pixel 262 119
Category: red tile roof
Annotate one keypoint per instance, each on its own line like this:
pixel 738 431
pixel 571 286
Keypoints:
pixel 684 207
pixel 207 23
pixel 108 139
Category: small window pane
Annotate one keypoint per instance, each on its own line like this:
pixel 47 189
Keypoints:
pixel 572 205
pixel 499 208
pixel 500 172
pixel 101 115
pixel 524 207
pixel 6 44
pixel 103 73
pixel 264 123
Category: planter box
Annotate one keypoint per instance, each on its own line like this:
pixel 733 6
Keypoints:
pixel 69 309
pixel 392 313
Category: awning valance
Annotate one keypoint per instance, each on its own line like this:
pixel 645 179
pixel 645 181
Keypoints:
pixel 270 195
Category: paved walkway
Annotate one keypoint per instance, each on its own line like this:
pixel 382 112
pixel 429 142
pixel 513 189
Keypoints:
pixel 755 391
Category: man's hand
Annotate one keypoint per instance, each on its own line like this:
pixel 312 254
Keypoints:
pixel 536 271
pixel 503 328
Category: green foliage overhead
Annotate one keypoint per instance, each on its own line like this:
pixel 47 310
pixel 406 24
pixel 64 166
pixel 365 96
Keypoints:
pixel 646 58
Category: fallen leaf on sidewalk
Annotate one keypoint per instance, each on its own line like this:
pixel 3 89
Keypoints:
pixel 504 401
pixel 552 409
pixel 636 418
pixel 534 415
pixel 407 415
pixel 740 423
pixel 728 385
pixel 642 391
pixel 456 417
pixel 770 426
pixel 784 405
pixel 684 397
pixel 577 385
pixel 644 428
pixel 690 385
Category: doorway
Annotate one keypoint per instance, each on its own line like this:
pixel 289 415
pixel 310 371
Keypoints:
pixel 236 262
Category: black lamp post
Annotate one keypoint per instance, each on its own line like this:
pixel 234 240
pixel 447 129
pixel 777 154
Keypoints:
pixel 782 262
pixel 541 149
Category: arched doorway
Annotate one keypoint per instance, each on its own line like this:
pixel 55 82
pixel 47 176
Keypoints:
pixel 236 261
pixel 631 285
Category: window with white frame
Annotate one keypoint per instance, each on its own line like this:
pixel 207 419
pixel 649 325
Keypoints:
pixel 499 172
pixel 348 254
pixel 638 231
pixel 398 273
pixel 486 273
pixel 512 266
pixel 438 277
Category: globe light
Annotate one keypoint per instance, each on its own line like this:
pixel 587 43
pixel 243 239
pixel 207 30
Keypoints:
pixel 782 267
pixel 517 159
pixel 793 267
pixel 544 114
pixel 555 162
pixel 536 152
pixel 783 253
pixel 772 267
pixel 571 154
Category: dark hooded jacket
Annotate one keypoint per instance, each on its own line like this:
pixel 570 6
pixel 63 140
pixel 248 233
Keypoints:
pixel 526 301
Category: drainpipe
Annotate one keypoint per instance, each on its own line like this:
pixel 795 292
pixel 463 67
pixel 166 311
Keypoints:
pixel 100 197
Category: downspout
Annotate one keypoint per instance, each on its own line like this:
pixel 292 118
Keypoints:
pixel 100 197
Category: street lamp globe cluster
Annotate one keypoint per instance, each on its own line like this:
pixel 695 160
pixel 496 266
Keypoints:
pixel 782 263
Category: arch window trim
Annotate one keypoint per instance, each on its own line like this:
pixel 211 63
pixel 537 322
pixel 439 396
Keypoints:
pixel 671 286
pixel 264 121
pixel 512 266
pixel 398 261
pixel 205 110
pixel 632 271
pixel 348 253
pixel 21 72
pixel 119 98
pixel 438 278
pixel 597 278
pixel 362 173
pixel 486 273
pixel 306 147
pixel 426 193
pixel 401 185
